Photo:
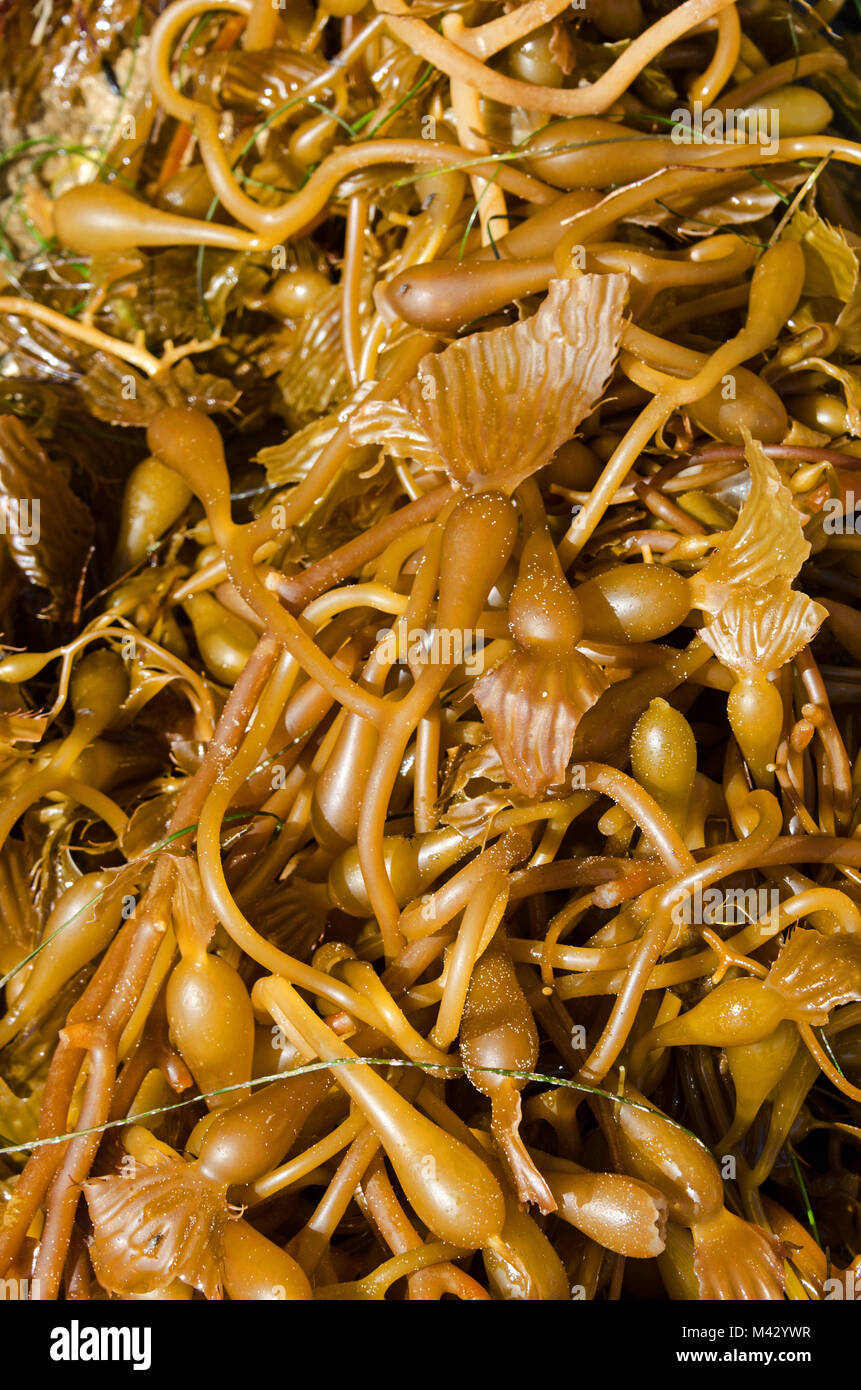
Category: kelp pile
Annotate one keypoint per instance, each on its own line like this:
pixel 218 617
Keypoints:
pixel 429 452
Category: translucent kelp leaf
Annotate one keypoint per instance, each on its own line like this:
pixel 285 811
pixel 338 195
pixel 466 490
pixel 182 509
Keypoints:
pixel 291 461
pixel 396 79
pixel 748 203
pixel 532 707
pixel 392 422
pixel 310 366
pixel 38 352
pixel 147 826
pixel 263 80
pixel 817 973
pixel 292 915
pixel 561 47
pixel 475 789
pixel 758 630
pixel 737 1260
pixel 496 406
pixel 159 294
pixel 48 835
pixel 115 392
pixel 193 919
pixel 48 529
pixel 157 1225
pixel 831 265
pixel 233 283
pixel 362 494
pixel 355 499
pixel 307 355
pixel 474 817
pixel 471 764
pixel 842 87
pixel 766 543
pixel 21 726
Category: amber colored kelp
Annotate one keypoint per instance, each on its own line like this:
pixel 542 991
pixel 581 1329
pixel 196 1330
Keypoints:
pixel 429 572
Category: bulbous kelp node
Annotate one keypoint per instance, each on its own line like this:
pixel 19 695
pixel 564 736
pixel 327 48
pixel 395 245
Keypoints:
pixel 633 603
pixel 160 1224
pixel 735 1013
pixel 98 219
pixel 187 441
pixel 756 1068
pixel 211 1025
pixel 812 975
pixel 533 701
pixel 759 622
pixel 498 1033
pixel 618 1212
pixel 82 923
pixel 667 1157
pixel 544 613
pixel 732 1258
